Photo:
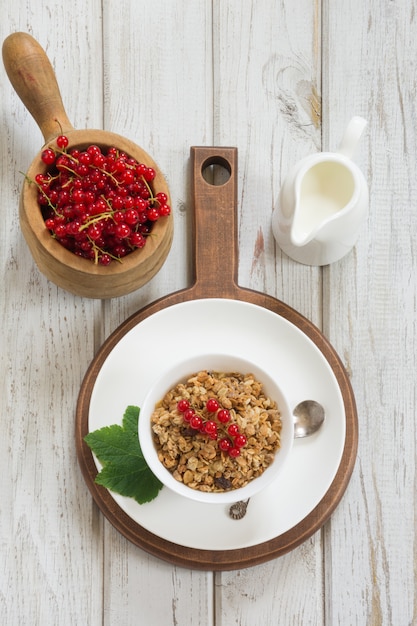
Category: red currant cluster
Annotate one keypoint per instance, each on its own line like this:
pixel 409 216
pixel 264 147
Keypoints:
pixel 100 206
pixel 231 441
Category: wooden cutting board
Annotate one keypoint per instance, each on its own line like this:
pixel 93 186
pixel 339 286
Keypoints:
pixel 215 261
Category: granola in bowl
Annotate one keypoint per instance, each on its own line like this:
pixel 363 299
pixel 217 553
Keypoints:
pixel 196 459
pixel 227 453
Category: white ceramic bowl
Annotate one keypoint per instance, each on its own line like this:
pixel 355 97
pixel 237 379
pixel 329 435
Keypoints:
pixel 220 363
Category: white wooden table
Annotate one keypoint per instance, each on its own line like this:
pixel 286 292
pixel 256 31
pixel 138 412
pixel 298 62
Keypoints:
pixel 278 80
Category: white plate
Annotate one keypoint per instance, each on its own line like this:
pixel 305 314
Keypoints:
pixel 250 331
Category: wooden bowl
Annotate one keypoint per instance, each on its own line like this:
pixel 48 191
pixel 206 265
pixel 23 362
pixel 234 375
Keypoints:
pixel 33 78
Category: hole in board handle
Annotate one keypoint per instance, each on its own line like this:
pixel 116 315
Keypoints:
pixel 216 171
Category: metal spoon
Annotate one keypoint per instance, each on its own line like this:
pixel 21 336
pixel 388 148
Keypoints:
pixel 309 416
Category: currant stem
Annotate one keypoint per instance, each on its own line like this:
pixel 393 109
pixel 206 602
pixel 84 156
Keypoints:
pixel 52 206
pixel 148 187
pixel 98 250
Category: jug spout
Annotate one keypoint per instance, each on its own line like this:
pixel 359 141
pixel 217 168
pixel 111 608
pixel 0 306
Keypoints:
pixel 300 236
pixel 352 135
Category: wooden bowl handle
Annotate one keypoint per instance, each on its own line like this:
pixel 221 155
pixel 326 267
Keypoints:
pixel 215 215
pixel 34 81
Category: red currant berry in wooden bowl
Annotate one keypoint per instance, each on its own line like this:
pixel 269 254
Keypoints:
pixel 97 219
pixel 100 206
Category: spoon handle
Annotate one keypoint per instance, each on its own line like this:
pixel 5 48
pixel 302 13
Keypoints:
pixel 34 81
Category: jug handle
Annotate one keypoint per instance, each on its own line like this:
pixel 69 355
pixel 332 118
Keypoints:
pixel 352 136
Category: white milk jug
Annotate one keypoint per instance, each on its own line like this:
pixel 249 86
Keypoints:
pixel 322 203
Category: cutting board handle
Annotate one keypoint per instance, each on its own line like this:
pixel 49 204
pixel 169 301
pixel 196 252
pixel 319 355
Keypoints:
pixel 214 192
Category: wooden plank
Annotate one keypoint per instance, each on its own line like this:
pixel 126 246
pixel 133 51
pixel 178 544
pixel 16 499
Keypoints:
pixel 254 595
pixel 50 532
pixel 371 314
pixel 267 103
pixel 141 588
pixel 163 53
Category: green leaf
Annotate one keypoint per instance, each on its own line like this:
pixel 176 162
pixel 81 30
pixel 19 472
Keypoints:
pixel 124 470
pixel 139 484
pixel 131 418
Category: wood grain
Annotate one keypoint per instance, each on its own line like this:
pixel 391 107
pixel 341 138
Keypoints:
pixel 46 521
pixel 378 339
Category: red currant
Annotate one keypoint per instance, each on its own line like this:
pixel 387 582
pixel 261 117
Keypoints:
pixel 89 196
pixel 131 217
pixel 94 231
pixel 137 240
pixel 40 179
pixel 234 452
pixel 123 230
pixel 62 141
pixel 119 165
pixel 85 158
pixel 128 177
pixel 196 422
pixel 223 416
pixel 188 414
pixel 53 196
pixel 48 156
pixel 82 169
pixel 233 430
pixel 128 202
pixel 77 195
pixel 225 444
pixel 60 230
pixel 117 203
pixel 153 214
pixel 99 160
pixel 93 150
pixel 142 205
pixel 183 405
pixel 212 405
pixel 120 251
pixel 161 197
pixel 149 174
pixel 240 441
pixel 210 427
pixel 118 216
pixel 105 259
pixel 164 210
